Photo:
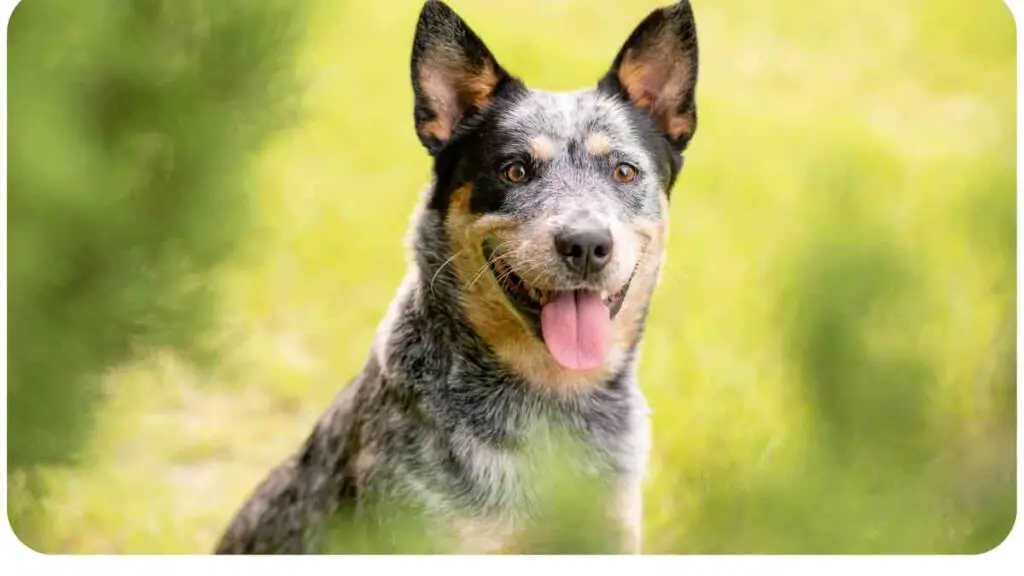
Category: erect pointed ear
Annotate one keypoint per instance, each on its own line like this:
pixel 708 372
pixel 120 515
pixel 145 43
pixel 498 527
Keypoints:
pixel 656 69
pixel 454 75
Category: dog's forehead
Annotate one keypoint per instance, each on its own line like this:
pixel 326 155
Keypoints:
pixel 570 115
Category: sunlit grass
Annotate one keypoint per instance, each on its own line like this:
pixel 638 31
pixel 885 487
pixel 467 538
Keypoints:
pixel 874 128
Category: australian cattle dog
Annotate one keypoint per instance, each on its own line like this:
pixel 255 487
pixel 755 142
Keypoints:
pixel 534 254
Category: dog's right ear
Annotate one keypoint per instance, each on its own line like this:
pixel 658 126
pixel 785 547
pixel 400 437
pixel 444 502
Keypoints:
pixel 454 75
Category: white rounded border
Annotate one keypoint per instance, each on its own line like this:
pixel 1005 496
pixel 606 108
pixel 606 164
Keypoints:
pixel 19 559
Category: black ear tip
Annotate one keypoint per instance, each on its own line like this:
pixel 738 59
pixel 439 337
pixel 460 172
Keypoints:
pixel 438 19
pixel 680 16
pixel 435 17
pixel 435 11
pixel 681 10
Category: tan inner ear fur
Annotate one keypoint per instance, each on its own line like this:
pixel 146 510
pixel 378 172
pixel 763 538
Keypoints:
pixel 656 82
pixel 495 320
pixel 452 89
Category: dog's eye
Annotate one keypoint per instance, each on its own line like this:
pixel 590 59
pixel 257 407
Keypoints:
pixel 625 173
pixel 515 173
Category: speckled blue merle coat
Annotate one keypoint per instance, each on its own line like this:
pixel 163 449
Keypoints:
pixel 535 195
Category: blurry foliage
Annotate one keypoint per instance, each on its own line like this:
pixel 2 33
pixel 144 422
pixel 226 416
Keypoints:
pixel 555 477
pixel 830 356
pixel 877 476
pixel 131 127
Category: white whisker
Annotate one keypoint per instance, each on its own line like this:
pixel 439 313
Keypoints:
pixel 446 262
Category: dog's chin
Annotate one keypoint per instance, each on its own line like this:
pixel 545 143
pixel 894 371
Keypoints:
pixel 530 300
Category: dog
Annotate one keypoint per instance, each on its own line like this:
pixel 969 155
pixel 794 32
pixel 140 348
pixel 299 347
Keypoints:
pixel 534 254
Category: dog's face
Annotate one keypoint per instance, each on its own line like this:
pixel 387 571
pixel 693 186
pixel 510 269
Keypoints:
pixel 555 203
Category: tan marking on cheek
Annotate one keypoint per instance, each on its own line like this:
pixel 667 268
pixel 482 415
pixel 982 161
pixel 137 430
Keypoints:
pixel 483 302
pixel 598 144
pixel 496 224
pixel 458 204
pixel 663 222
pixel 542 148
pixel 650 236
pixel 627 322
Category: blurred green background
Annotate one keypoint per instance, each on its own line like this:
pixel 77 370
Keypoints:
pixel 207 203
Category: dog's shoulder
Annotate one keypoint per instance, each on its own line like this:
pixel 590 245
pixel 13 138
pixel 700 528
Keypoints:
pixel 282 515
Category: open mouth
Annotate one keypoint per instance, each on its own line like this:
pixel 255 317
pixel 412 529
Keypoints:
pixel 573 324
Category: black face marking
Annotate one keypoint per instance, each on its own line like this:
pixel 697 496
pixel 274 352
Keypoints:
pixel 474 155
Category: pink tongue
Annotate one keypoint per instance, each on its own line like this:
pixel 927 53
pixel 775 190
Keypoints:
pixel 575 328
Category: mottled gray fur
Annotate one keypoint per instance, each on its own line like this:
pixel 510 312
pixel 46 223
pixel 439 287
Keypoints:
pixel 435 418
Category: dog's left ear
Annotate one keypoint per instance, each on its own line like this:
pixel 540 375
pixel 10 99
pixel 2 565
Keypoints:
pixel 656 69
pixel 453 74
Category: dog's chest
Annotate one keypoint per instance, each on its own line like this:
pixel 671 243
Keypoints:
pixel 549 483
pixel 505 458
pixel 558 466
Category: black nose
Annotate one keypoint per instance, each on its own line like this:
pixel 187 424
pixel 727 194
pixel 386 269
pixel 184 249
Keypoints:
pixel 585 251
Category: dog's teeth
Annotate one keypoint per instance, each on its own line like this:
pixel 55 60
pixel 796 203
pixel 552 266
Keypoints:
pixel 604 295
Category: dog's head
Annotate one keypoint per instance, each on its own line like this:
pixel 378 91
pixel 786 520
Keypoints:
pixel 555 204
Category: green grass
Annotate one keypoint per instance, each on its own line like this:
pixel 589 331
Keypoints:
pixel 824 355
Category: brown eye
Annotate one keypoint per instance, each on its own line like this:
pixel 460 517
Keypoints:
pixel 625 173
pixel 515 173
